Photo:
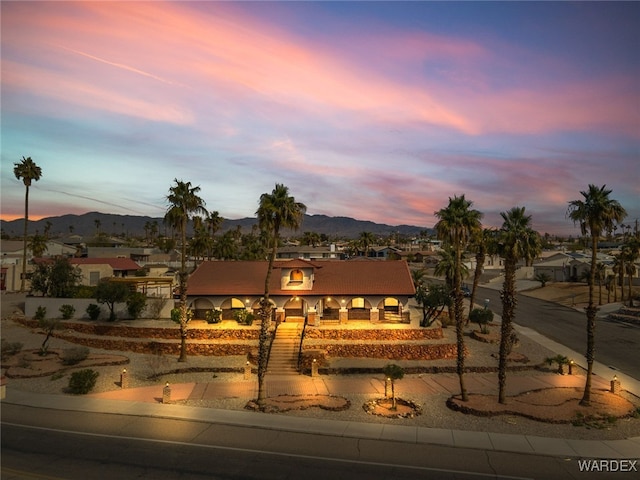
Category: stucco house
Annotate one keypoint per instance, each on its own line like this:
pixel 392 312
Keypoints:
pixel 322 291
pixel 93 269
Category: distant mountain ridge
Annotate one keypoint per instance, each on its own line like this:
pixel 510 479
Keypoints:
pixel 113 224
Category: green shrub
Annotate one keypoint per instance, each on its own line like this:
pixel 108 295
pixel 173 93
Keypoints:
pixel 243 317
pixel 41 313
pixel 214 316
pixel 82 381
pixel 481 316
pixel 67 311
pixel 94 311
pixel 75 355
pixel 136 303
pixel 9 349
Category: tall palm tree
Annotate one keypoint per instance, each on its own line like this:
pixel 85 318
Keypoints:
pixel 214 221
pixel 631 252
pixel 28 171
pixel 365 241
pixel 481 243
pixel 596 213
pixel 601 273
pixel 276 210
pixel 457 223
pixel 516 241
pixel 183 202
pixel 618 271
pixel 446 267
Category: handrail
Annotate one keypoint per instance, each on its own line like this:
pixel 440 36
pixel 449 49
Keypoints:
pixel 273 337
pixel 304 327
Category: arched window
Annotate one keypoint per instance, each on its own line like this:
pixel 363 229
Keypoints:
pixel 296 276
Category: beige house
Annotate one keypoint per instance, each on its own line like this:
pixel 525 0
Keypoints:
pixel 320 291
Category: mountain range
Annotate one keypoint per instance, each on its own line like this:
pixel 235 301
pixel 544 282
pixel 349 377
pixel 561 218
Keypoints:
pixel 112 224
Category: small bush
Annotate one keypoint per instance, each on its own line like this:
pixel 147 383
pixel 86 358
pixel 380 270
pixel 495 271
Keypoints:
pixel 41 313
pixel 82 381
pixel 214 316
pixel 94 311
pixel 72 356
pixel 136 303
pixel 9 349
pixel 67 311
pixel 244 317
pixel 481 316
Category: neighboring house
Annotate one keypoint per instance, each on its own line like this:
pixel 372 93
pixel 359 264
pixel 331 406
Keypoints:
pixel 309 252
pixel 93 269
pixel 568 267
pixel 329 290
pixel 12 252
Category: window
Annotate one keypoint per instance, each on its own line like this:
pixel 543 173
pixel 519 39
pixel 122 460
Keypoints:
pixel 94 278
pixel 357 303
pixel 296 277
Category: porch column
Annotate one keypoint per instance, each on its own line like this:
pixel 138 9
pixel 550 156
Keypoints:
pixel 312 317
pixel 343 315
pixel 280 314
pixel 374 315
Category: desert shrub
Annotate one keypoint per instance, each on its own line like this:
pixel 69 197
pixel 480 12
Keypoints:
pixel 213 316
pixel 9 349
pixel 67 311
pixel 75 355
pixel 94 311
pixel 136 303
pixel 41 313
pixel 243 317
pixel 82 381
pixel 175 315
pixel 481 316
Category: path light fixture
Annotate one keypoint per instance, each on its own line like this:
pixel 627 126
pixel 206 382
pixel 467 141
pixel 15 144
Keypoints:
pixel 615 385
pixel 166 393
pixel 571 364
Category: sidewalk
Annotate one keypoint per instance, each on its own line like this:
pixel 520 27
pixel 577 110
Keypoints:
pixel 146 401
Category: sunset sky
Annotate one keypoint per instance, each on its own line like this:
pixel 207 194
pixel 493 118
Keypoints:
pixel 379 111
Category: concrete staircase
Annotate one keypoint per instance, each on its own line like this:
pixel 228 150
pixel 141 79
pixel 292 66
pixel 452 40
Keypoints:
pixel 284 350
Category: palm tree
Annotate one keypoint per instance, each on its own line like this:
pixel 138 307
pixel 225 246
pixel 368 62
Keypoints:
pixel 481 243
pixel 596 213
pixel 183 202
pixel 365 241
pixel 516 241
pixel 631 251
pixel 456 225
pixel 446 268
pixel 28 171
pixel 213 221
pixel 618 271
pixel 601 272
pixel 276 210
pixel 38 245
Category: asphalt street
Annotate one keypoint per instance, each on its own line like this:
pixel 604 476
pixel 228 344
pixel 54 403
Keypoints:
pixel 617 344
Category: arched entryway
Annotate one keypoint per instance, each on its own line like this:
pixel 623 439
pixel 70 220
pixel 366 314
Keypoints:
pixel 295 310
pixel 359 309
pixel 200 307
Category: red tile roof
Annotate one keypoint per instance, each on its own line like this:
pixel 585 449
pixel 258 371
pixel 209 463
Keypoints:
pixel 331 277
pixel 118 264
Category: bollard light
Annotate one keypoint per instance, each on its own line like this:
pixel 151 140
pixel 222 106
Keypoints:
pixel 571 367
pixel 615 385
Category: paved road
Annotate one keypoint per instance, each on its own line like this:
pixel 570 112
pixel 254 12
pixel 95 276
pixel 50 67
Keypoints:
pixel 69 445
pixel 617 344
